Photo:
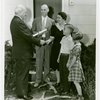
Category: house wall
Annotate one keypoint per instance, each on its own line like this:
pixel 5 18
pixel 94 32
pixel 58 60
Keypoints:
pixel 83 16
pixel 8 13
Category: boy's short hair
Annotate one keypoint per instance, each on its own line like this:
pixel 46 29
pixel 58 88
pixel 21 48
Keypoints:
pixel 76 35
pixel 71 27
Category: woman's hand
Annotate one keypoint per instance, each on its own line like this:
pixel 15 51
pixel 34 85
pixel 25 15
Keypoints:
pixel 68 66
pixel 58 58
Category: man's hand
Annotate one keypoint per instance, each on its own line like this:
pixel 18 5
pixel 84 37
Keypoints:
pixel 42 42
pixel 68 66
pixel 48 41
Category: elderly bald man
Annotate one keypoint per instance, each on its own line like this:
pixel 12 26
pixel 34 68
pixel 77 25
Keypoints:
pixel 43 52
pixel 22 50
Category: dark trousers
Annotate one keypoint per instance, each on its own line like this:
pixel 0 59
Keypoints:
pixel 22 75
pixel 64 84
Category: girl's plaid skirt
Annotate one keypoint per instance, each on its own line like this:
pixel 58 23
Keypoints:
pixel 76 74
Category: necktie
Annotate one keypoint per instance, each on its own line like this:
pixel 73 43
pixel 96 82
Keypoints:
pixel 43 23
pixel 43 27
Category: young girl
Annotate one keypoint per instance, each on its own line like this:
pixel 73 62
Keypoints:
pixel 74 65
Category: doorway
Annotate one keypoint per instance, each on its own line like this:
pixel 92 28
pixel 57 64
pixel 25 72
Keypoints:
pixel 55 5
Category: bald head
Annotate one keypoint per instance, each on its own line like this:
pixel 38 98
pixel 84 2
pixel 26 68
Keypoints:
pixel 20 10
pixel 44 10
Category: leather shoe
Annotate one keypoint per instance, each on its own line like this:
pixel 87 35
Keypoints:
pixel 26 97
pixel 29 96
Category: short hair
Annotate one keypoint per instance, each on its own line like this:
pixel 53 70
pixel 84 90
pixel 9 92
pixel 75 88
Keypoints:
pixel 19 9
pixel 63 15
pixel 45 6
pixel 77 36
pixel 71 27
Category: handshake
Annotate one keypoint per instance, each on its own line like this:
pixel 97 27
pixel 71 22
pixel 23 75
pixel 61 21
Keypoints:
pixel 47 42
pixel 43 42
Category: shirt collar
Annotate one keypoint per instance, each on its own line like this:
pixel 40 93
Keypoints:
pixel 68 37
pixel 44 17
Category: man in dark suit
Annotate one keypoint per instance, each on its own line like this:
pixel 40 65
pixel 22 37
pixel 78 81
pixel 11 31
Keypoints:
pixel 22 50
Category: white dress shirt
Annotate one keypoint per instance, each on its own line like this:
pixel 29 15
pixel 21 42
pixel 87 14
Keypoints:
pixel 44 21
pixel 66 44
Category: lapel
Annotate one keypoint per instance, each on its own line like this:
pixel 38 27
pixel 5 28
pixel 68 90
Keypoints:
pixel 40 22
pixel 21 21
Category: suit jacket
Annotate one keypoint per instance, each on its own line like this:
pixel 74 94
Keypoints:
pixel 37 26
pixel 22 39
